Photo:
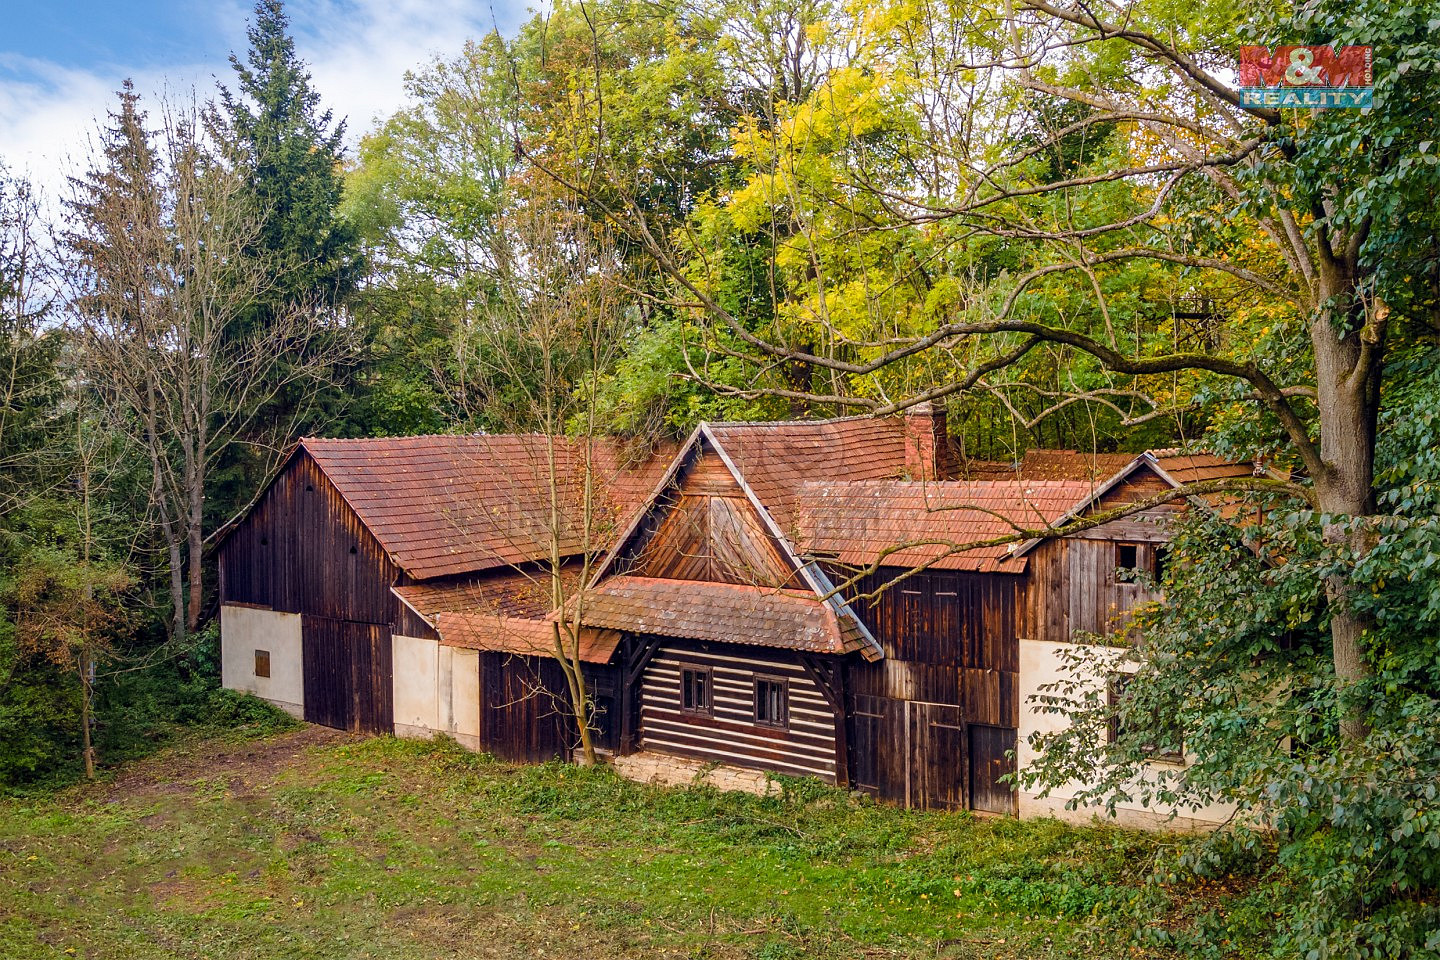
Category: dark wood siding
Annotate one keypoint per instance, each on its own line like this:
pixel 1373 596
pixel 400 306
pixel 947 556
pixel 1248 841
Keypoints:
pixel 524 711
pixel 348 674
pixel 731 736
pixel 987 749
pixel 1072 584
pixel 303 550
pixel 949 637
pixel 951 664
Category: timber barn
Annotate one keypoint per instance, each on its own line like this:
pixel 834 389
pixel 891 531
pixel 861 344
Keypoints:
pixel 808 598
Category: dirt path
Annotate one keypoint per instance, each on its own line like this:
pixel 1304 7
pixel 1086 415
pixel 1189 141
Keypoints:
pixel 247 763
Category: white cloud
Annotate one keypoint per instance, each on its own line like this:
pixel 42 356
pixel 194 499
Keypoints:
pixel 358 51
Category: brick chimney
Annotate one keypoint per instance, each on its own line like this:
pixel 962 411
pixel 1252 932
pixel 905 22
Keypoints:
pixel 928 453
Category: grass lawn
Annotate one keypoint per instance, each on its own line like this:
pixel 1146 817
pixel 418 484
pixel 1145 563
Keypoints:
pixel 313 844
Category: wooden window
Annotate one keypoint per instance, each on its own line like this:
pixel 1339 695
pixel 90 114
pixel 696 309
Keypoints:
pixel 772 702
pixel 262 663
pixel 1162 560
pixel 1127 556
pixel 695 693
pixel 1166 743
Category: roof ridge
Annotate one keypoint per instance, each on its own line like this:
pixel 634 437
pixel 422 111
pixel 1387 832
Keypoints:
pixel 471 435
pixel 956 482
pixel 806 423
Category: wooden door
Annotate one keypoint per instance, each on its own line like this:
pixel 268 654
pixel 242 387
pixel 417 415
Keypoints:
pixel 349 681
pixel 875 736
pixel 988 747
pixel 524 712
pixel 936 751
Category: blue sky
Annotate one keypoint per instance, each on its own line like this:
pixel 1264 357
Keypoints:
pixel 62 60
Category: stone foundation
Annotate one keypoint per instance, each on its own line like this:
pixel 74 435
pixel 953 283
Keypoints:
pixel 667 771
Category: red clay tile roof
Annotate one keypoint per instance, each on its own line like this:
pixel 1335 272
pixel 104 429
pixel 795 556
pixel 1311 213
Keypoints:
pixel 444 505
pixel 1072 465
pixel 856 523
pixel 506 592
pixel 1199 467
pixel 722 612
pixel 774 459
pixel 521 635
pixel 1084 465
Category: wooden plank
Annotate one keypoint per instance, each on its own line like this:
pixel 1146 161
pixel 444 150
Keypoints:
pixel 524 708
pixel 730 734
pixel 348 674
pixel 987 749
pixel 741 550
pixel 936 755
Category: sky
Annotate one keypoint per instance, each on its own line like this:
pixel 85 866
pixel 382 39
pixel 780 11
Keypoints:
pixel 61 61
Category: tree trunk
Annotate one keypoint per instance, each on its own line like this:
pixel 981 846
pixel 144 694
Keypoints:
pixel 196 548
pixel 177 585
pixel 1348 384
pixel 579 696
pixel 582 714
pixel 87 680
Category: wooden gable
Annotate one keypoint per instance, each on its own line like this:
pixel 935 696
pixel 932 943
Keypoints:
pixel 303 549
pixel 705 528
pixel 1075 582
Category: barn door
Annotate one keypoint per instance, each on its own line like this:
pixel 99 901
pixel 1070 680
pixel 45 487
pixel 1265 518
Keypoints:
pixel 874 746
pixel 936 752
pixel 988 763
pixel 348 674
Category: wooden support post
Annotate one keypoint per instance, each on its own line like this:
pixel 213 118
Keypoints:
pixel 828 674
pixel 631 670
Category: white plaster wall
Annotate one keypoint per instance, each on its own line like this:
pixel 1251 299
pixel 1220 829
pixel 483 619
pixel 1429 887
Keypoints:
pixel 437 690
pixel 243 630
pixel 1040 663
pixel 415 669
pixel 465 696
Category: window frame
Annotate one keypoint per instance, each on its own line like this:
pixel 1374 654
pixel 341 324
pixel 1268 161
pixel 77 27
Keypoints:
pixel 1120 564
pixel 707 709
pixel 783 683
pixel 1160 561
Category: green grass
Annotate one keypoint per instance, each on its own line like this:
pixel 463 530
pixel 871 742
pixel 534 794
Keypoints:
pixel 313 845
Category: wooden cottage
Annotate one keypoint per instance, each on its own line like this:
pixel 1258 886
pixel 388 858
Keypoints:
pixel 329 584
pixel 714 629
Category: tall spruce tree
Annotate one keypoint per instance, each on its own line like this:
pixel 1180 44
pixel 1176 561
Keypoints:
pixel 291 151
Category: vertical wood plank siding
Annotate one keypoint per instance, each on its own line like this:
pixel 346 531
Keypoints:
pixel 524 714
pixel 1073 585
pixel 303 550
pixel 348 674
pixel 949 637
pixel 731 736
pixel 951 666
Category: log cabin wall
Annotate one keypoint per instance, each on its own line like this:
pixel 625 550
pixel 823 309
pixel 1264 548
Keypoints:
pixel 727 732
